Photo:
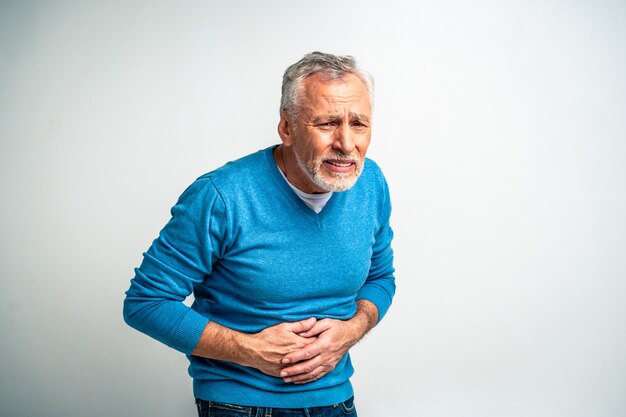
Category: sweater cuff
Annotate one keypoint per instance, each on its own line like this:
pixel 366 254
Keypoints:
pixel 377 295
pixel 189 331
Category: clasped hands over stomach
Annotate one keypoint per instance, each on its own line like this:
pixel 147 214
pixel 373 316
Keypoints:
pixel 303 351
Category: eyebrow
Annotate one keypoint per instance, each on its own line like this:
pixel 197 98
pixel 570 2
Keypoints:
pixel 337 118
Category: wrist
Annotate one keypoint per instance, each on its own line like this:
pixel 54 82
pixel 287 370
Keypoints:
pixel 221 343
pixel 365 318
pixel 245 345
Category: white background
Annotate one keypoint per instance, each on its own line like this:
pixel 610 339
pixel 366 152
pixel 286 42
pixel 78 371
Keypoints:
pixel 501 128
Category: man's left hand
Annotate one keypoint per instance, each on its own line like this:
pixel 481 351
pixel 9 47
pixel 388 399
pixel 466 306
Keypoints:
pixel 334 339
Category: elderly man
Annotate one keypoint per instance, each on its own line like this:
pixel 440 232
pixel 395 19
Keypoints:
pixel 287 252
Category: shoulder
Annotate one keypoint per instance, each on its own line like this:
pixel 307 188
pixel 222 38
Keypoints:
pixel 241 172
pixel 230 185
pixel 215 194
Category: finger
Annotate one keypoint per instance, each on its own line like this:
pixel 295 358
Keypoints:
pixel 303 367
pixel 319 327
pixel 318 376
pixel 309 352
pixel 314 375
pixel 302 325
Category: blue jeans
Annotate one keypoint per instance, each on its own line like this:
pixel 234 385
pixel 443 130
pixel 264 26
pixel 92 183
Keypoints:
pixel 213 409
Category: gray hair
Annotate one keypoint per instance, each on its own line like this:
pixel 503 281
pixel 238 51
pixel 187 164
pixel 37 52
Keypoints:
pixel 333 67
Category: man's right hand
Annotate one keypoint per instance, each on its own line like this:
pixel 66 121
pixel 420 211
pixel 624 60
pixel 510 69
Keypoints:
pixel 263 350
pixel 270 345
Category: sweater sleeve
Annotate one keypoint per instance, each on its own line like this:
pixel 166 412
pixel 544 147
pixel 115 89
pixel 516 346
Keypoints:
pixel 180 258
pixel 380 287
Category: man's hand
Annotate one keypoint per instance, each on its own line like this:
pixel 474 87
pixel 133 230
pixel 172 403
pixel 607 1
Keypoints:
pixel 331 340
pixel 263 351
pixel 270 346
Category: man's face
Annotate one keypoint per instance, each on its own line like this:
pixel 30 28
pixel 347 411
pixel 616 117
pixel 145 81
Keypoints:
pixel 331 134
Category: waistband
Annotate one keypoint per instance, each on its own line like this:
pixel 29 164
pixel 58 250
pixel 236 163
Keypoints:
pixel 346 407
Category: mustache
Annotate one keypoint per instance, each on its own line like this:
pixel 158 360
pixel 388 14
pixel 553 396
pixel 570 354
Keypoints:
pixel 342 157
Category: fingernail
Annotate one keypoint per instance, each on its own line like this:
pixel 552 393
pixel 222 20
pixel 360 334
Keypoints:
pixel 283 373
pixel 285 360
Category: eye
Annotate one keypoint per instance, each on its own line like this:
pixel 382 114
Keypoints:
pixel 327 125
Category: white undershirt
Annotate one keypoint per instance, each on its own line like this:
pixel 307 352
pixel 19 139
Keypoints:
pixel 315 202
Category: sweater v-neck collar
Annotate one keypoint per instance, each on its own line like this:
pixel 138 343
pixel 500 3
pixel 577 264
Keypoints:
pixel 281 182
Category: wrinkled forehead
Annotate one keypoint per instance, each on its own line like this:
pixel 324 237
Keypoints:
pixel 348 90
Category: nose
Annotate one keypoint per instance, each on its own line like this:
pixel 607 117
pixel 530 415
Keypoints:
pixel 344 139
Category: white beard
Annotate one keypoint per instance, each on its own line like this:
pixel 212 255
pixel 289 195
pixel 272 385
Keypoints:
pixel 332 181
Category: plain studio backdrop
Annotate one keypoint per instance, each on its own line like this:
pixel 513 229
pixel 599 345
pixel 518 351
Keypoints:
pixel 501 128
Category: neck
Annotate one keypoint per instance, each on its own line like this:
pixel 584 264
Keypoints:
pixel 282 158
pixel 279 158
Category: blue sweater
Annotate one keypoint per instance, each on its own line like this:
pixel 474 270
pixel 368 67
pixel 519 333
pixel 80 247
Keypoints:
pixel 254 255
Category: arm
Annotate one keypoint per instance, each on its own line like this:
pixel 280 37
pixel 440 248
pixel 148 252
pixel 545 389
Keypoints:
pixel 180 258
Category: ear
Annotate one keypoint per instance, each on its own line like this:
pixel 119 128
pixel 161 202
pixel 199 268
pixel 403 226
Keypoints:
pixel 285 129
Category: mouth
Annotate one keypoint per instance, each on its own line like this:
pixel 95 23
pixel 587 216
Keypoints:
pixel 340 165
